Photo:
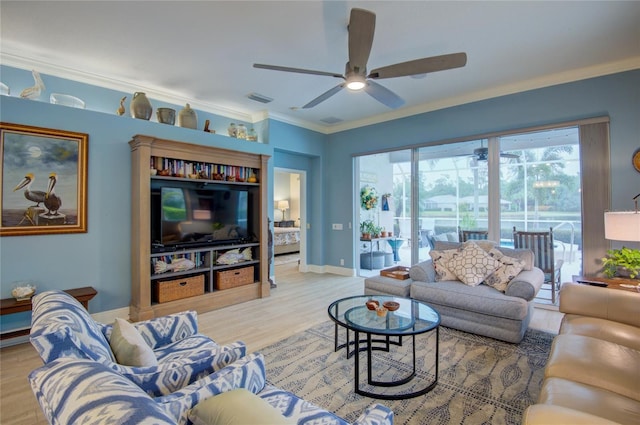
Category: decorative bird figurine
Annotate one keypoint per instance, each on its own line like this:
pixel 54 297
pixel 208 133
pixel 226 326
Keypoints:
pixel 121 109
pixel 36 196
pixel 34 92
pixel 51 201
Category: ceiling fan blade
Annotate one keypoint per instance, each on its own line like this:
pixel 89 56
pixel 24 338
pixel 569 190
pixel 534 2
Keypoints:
pixel 383 95
pixel 362 25
pixel 324 96
pixel 421 66
pixel 509 155
pixel 297 70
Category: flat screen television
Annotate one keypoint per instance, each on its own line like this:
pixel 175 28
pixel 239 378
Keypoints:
pixel 184 215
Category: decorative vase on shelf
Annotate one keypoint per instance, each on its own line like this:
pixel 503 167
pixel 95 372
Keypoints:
pixel 232 130
pixel 166 116
pixel 252 136
pixel 140 106
pixel 241 132
pixel 188 118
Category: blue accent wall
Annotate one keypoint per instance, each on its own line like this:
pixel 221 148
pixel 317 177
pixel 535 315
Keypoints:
pixel 101 257
pixel 616 96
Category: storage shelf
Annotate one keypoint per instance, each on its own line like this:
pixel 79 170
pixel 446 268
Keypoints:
pixel 157 276
pixel 203 181
pixel 231 266
pixel 149 151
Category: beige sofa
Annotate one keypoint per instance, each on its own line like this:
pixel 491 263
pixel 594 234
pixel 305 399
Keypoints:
pixel 593 371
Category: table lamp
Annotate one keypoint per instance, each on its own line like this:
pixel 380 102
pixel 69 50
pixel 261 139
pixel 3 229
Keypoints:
pixel 283 205
pixel 623 225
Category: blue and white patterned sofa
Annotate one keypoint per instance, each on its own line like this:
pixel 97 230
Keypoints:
pixel 74 391
pixel 62 327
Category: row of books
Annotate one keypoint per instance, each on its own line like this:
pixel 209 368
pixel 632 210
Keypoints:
pixel 201 170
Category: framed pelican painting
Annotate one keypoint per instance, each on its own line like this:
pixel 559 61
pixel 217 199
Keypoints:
pixel 44 181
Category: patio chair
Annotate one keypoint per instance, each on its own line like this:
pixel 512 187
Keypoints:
pixel 541 243
pixel 475 234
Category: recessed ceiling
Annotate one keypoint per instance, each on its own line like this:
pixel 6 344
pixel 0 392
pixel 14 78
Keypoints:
pixel 204 50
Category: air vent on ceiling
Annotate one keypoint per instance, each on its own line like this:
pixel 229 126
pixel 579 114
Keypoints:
pixel 259 98
pixel 331 120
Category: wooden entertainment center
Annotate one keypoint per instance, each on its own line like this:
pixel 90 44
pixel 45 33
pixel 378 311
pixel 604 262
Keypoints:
pixel 211 283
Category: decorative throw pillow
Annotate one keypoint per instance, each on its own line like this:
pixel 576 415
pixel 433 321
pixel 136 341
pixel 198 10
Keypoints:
pixel 128 346
pixel 440 260
pixel 236 407
pixel 522 254
pixel 509 268
pixel 472 264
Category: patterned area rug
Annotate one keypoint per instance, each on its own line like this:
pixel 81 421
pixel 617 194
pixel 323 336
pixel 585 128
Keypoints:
pixel 480 380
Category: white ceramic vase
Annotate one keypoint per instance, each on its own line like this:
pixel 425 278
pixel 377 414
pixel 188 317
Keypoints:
pixel 188 118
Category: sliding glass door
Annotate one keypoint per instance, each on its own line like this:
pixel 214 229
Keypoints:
pixel 530 181
pixel 453 191
pixel 542 190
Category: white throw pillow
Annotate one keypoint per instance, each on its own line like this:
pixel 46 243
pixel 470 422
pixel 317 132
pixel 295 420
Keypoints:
pixel 509 268
pixel 440 260
pixel 472 264
pixel 128 346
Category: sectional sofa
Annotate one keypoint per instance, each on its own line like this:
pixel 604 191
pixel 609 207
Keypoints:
pixel 592 375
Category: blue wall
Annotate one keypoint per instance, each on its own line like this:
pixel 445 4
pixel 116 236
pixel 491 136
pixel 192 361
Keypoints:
pixel 616 96
pixel 300 149
pixel 101 257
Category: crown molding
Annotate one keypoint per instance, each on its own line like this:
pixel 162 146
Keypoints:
pixel 628 64
pixel 18 61
pixel 108 82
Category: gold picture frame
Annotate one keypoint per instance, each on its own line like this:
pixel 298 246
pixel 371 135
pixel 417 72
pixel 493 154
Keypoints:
pixel 44 181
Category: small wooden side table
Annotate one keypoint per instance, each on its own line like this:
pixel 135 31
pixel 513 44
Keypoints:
pixel 612 283
pixel 10 306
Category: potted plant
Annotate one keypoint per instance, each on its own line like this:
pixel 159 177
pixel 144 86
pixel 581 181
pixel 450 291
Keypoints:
pixel 625 259
pixel 367 229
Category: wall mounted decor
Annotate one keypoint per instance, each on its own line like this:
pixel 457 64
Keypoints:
pixel 44 181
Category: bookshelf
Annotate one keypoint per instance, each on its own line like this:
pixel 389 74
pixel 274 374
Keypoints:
pixel 152 272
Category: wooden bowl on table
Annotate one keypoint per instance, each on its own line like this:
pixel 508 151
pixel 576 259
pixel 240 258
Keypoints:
pixel 391 305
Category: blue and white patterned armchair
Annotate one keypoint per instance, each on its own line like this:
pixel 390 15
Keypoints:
pixel 72 391
pixel 62 327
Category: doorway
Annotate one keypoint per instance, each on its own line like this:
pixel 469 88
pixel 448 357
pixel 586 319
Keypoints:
pixel 289 217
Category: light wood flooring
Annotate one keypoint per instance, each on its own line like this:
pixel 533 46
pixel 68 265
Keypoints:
pixel 299 302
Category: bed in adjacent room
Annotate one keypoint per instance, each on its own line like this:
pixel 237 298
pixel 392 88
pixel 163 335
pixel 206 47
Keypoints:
pixel 286 240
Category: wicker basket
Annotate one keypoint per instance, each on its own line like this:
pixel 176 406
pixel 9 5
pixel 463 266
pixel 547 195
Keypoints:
pixel 234 278
pixel 183 287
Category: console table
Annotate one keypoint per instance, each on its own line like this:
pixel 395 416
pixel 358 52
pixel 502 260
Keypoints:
pixel 11 305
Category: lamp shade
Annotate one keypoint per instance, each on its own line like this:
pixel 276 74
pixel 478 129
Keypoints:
pixel 283 205
pixel 622 226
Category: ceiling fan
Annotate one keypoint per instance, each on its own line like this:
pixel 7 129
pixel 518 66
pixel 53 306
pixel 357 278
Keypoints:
pixel 361 29
pixel 482 154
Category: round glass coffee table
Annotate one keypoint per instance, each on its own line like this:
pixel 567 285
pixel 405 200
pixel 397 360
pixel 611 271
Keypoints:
pixel 380 332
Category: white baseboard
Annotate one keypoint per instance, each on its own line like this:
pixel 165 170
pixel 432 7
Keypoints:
pixel 342 271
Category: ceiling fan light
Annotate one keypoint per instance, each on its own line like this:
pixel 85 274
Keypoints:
pixel 355 83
